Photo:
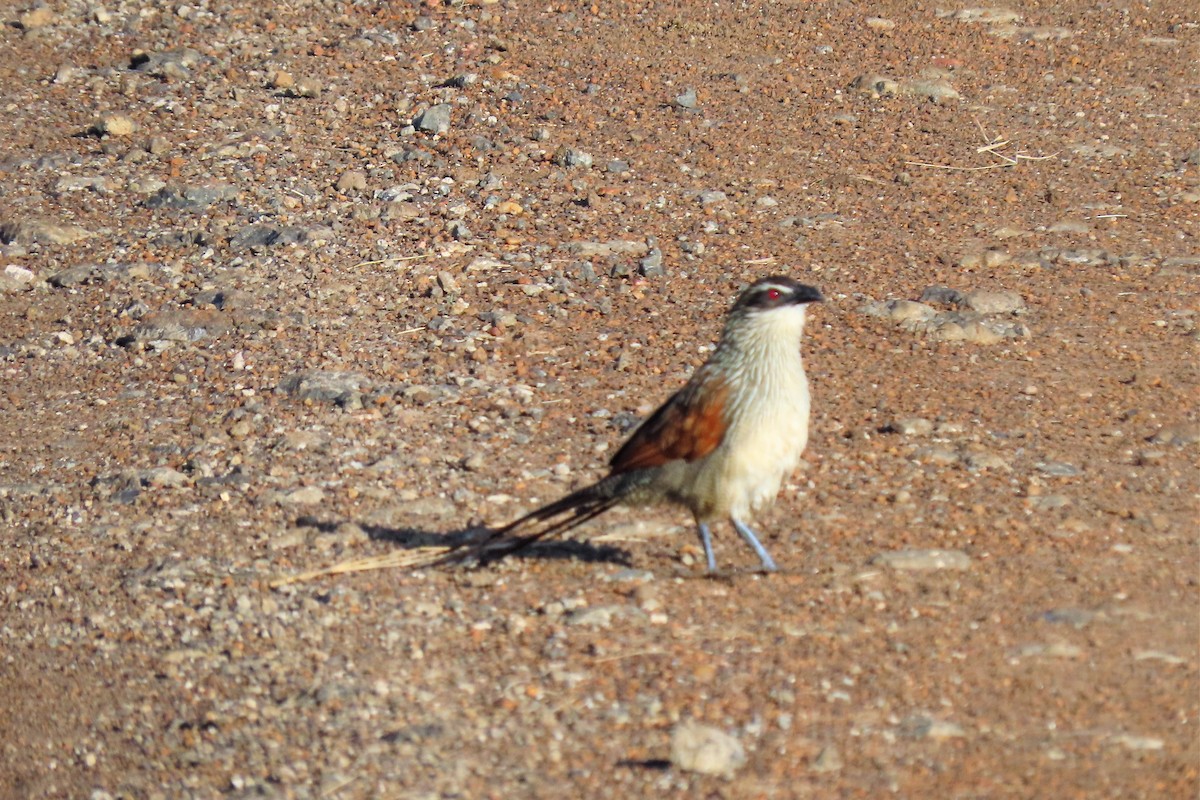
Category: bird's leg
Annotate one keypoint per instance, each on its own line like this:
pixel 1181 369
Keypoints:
pixel 706 540
pixel 768 564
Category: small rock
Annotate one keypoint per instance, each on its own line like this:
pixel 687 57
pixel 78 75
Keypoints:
pixel 880 25
pixel 875 85
pixel 1058 469
pixel 307 496
pixel 1077 618
pixel 14 278
pixel 164 477
pixel 899 310
pixel 41 231
pixel 944 296
pixel 920 726
pixel 978 461
pixel 38 17
pixel 114 124
pixel 712 197
pixel 307 87
pixel 937 90
pixel 919 560
pixel 705 749
pixel 1131 742
pixel 911 426
pixel 828 760
pixel 570 157
pixel 435 119
pixel 994 302
pixel 617 247
pixel 1179 435
pixel 687 99
pixel 260 234
pixel 352 181
pixel 74 276
pixel 651 266
pixel 175 326
pixel 1069 226
pixel 1158 655
pixel 190 198
pixel 281 79
pixel 1055 650
pixel 323 386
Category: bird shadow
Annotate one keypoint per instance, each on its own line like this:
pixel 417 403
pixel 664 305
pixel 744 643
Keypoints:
pixel 416 538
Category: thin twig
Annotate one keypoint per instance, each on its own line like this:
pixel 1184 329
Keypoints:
pixel 416 557
pixel 392 260
pixel 650 651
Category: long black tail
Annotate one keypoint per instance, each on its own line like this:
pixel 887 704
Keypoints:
pixel 553 519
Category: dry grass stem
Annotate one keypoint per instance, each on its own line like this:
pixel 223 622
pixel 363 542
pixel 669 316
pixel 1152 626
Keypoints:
pixel 992 146
pixel 418 557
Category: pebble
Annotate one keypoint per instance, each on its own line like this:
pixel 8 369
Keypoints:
pixel 189 197
pixel 618 247
pixel 259 234
pixel 900 311
pixel 985 16
pixel 37 17
pixel 1058 469
pixel 911 426
pixel 41 231
pixel 705 750
pixel 1158 655
pixel 435 119
pixel 1054 650
pixel 981 461
pixel 828 760
pixel 281 79
pixel 174 326
pixel 876 86
pixel 16 279
pixel 936 455
pixel 1178 435
pixel 953 326
pixel 937 89
pixel 164 477
pixel 994 302
pixel 1077 618
pixel 712 197
pixel 571 158
pixel 78 183
pixel 307 496
pixel 1069 226
pixel 74 276
pixel 323 386
pixel 352 181
pixel 921 726
pixel 945 296
pixel 652 265
pixel 115 124
pixel 309 87
pixel 920 560
pixel 1131 742
pixel 987 259
pixel 687 99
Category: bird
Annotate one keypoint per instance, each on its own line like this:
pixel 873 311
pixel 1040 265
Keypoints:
pixel 720 447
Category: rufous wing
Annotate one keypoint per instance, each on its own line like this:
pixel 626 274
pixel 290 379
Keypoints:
pixel 688 426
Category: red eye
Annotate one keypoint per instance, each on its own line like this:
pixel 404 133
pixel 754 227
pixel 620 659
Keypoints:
pixel 774 294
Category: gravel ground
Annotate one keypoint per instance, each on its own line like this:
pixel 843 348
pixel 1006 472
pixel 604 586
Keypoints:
pixel 282 287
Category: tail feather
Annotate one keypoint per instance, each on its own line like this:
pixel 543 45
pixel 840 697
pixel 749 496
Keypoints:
pixel 578 507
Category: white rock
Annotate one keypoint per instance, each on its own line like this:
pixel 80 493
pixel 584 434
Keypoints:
pixel 705 749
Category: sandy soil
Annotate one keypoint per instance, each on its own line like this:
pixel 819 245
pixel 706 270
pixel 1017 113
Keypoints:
pixel 253 323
